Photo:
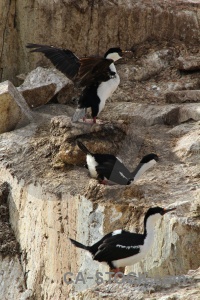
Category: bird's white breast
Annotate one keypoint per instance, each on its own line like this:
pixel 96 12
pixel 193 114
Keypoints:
pixel 128 261
pixel 91 162
pixel 107 88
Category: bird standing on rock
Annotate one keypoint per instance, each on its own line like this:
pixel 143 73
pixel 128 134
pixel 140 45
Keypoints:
pixel 97 74
pixel 122 248
pixel 109 168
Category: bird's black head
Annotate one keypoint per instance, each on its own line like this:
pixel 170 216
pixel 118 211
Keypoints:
pixel 114 50
pixel 153 214
pixel 157 210
pixel 114 53
pixel 149 157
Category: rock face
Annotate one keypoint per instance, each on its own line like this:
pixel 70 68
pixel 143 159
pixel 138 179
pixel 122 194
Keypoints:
pixel 46 189
pixel 10 266
pixel 49 202
pixel 13 107
pixel 70 153
pixel 164 288
pixel 90 27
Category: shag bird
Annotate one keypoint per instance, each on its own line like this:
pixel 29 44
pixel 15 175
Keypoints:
pixel 109 168
pixel 97 74
pixel 122 248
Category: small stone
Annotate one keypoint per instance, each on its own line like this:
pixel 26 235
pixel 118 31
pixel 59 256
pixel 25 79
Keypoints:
pixel 152 65
pixel 183 96
pixel 181 129
pixel 189 63
pixel 188 144
pixel 189 111
pixel 71 156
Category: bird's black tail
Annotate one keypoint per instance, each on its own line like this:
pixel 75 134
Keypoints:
pixel 79 245
pixel 83 148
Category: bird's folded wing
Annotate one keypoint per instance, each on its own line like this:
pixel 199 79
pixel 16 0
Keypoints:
pixel 94 69
pixel 120 174
pixel 115 171
pixel 119 246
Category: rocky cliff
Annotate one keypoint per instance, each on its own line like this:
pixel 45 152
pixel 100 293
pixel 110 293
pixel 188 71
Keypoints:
pixel 90 27
pixel 46 194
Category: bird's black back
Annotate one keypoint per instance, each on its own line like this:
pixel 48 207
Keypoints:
pixel 119 246
pixel 94 248
pixel 109 166
pixel 112 168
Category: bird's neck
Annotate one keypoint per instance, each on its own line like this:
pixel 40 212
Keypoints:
pixel 112 68
pixel 149 226
pixel 141 169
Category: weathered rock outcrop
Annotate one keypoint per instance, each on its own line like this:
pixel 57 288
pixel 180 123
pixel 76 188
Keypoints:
pixel 90 27
pixel 164 288
pixel 11 272
pixel 13 108
pixel 51 202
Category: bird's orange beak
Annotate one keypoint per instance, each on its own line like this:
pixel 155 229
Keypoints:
pixel 168 210
pixel 128 53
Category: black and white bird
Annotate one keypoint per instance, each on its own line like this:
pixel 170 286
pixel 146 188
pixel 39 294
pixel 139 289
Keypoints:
pixel 108 168
pixel 97 74
pixel 122 248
